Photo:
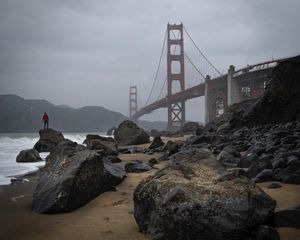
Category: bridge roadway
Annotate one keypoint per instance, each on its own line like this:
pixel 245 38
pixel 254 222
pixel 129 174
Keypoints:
pixel 254 72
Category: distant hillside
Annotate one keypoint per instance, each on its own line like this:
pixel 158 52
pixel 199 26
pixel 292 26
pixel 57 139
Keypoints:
pixel 23 115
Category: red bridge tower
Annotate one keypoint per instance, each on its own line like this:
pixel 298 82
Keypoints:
pixel 176 109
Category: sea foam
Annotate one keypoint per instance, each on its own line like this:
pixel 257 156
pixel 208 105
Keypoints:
pixel 10 146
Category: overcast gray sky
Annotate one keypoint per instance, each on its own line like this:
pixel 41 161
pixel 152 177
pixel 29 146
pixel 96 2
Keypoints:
pixel 89 52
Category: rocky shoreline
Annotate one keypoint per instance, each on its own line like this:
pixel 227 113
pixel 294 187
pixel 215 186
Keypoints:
pixel 198 187
pixel 172 150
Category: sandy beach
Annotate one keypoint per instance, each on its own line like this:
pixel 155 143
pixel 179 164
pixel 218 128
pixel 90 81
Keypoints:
pixel 109 216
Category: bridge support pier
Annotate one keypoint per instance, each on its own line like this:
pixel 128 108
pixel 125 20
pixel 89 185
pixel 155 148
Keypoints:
pixel 233 88
pixel 207 98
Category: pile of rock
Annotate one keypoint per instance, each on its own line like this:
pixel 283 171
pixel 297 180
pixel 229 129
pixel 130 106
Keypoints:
pixel 271 152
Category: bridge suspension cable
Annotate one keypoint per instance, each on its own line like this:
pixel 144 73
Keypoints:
pixel 156 74
pixel 202 54
pixel 188 58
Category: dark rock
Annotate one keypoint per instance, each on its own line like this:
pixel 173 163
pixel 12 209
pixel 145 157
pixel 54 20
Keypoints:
pixel 247 160
pixel 274 185
pixel 113 159
pixel 289 139
pixel 111 131
pixel 153 161
pixel 280 174
pixel 188 128
pixel 278 163
pixel 219 139
pixel 113 175
pixel 49 138
pixel 281 134
pixel 229 157
pixel 296 153
pixel 271 149
pixel 288 218
pixel 128 133
pixel 29 155
pixel 293 166
pixel 290 159
pixel 204 138
pixel 137 167
pixel 164 156
pixel 125 151
pixel 256 150
pixel 156 143
pixel 265 232
pixel 293 178
pixel 186 200
pixel 259 165
pixel 109 148
pixel 18 181
pixel 90 137
pixel 73 176
pixel 264 175
pixel 200 130
pixel 171 148
pixel 220 147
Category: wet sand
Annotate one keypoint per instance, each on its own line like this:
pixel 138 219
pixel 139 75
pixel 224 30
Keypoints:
pixel 286 197
pixel 109 216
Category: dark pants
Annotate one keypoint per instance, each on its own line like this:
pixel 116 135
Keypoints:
pixel 46 124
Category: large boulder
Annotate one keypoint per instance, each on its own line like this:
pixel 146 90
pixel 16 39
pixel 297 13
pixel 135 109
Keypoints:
pixel 128 133
pixel 137 166
pixel 96 142
pixel 229 157
pixel 29 155
pixel 73 176
pixel 91 137
pixel 156 143
pixel 194 198
pixel 288 218
pixel 49 138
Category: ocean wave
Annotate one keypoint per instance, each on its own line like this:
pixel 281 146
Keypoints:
pixel 12 144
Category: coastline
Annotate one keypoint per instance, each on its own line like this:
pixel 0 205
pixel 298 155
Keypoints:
pixel 109 216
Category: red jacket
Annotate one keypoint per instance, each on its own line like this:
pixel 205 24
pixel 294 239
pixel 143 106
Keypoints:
pixel 45 118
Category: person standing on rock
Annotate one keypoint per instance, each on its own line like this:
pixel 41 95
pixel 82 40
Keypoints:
pixel 45 119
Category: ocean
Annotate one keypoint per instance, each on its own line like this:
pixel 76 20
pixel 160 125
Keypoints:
pixel 10 146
